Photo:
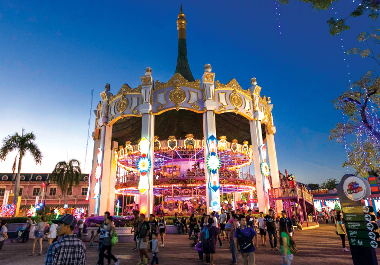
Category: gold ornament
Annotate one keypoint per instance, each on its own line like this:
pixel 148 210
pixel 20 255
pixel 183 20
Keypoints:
pixel 177 95
pixel 236 99
pixel 122 104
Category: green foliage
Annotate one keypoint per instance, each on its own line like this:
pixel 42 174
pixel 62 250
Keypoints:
pixel 337 26
pixel 36 219
pixel 66 175
pixel 329 184
pixel 313 186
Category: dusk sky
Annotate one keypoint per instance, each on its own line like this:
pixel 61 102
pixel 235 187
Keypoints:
pixel 53 53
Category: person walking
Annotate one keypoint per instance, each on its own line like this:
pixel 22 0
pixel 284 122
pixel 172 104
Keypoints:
pixel 222 222
pixel 284 218
pixel 155 249
pixel 245 237
pixel 153 225
pixel 270 224
pixel 216 224
pixel 209 246
pixel 25 234
pixel 341 230
pixel 193 222
pixel 52 233
pixel 230 229
pixel 162 227
pixel 69 249
pixel 287 256
pixel 81 226
pixel 135 227
pixel 262 229
pixel 142 239
pixel 3 233
pixel 39 233
pixel 184 225
pixel 327 216
pixel 106 234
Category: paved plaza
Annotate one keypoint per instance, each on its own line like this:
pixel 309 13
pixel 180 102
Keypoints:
pixel 316 246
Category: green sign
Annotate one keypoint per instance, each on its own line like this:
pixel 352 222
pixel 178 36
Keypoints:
pixel 360 226
pixel 363 242
pixel 362 234
pixel 359 217
pixel 358 209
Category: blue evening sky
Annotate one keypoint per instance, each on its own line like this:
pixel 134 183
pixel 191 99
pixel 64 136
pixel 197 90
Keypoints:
pixel 53 53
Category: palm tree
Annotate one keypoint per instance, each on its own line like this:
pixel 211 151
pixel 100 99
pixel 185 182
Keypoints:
pixel 22 144
pixel 66 175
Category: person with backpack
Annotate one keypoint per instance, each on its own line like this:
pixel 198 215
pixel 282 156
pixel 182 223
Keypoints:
pixel 285 237
pixel 270 224
pixel 142 239
pixel 244 236
pixel 209 236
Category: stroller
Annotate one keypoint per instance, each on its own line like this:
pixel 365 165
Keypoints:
pixel 19 233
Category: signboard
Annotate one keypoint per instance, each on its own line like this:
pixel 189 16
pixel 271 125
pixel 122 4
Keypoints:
pixel 362 234
pixel 351 191
pixel 360 226
pixel 357 209
pixel 363 242
pixel 359 217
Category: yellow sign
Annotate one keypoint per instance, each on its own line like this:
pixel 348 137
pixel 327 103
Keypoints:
pixel 357 209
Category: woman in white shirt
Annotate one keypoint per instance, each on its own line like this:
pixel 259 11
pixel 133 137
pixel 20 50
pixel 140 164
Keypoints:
pixel 39 233
pixel 52 233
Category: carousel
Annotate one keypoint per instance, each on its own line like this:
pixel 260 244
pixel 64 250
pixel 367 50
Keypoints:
pixel 192 145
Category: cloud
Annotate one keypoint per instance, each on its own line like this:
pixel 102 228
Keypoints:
pixel 59 33
pixel 33 19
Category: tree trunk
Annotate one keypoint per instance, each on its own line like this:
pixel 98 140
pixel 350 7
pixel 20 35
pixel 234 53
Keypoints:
pixel 64 198
pixel 17 186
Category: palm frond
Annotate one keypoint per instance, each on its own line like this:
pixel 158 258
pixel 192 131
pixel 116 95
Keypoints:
pixel 35 151
pixel 10 143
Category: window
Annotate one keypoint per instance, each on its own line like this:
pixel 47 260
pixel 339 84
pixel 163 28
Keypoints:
pixel 38 178
pixel 2 191
pixel 36 191
pixel 5 177
pixel 70 191
pixel 85 178
pixel 84 191
pixel 22 177
pixel 20 192
pixel 53 191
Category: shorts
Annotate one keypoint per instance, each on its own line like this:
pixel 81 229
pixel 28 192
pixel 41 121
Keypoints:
pixel 135 238
pixel 141 244
pixel 162 230
pixel 222 227
pixel 39 234
pixel 263 232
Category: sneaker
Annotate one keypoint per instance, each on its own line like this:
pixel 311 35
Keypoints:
pixel 146 261
pixel 134 249
pixel 276 249
pixel 163 245
pixel 220 246
pixel 345 250
pixel 140 262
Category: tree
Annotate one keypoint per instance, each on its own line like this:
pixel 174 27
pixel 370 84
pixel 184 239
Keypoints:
pixel 313 186
pixel 66 175
pixel 21 144
pixel 329 184
pixel 371 7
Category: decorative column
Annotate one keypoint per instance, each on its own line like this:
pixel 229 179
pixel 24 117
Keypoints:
pixel 270 132
pixel 146 145
pixel 212 162
pixel 112 180
pixel 103 157
pixel 257 143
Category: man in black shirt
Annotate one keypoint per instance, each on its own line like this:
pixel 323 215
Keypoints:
pixel 270 223
pixel 153 224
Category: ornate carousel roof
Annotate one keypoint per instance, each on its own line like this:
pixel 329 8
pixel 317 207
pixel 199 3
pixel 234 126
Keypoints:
pixel 179 104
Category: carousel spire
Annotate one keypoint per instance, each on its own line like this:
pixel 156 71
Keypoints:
pixel 182 64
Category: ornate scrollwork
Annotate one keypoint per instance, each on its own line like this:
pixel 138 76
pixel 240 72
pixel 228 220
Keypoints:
pixel 122 104
pixel 178 80
pixel 195 106
pixel 124 90
pixel 146 80
pixel 232 84
pixel 177 95
pixel 236 99
pixel 222 107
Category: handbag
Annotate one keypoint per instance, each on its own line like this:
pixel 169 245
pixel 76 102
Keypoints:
pixel 114 237
pixel 292 246
pixel 244 241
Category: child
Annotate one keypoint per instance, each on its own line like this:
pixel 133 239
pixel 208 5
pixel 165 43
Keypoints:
pixel 154 248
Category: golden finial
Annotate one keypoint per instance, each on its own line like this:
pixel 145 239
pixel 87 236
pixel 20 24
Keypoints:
pixel 181 25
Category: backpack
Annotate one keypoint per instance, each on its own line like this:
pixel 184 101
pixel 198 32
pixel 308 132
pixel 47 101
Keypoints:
pixel 205 239
pixel 244 241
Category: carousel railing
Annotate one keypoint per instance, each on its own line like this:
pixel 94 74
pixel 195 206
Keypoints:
pixel 292 193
